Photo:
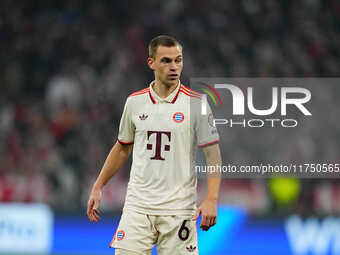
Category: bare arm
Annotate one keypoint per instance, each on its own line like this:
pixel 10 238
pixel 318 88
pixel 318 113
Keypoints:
pixel 208 208
pixel 114 161
pixel 213 158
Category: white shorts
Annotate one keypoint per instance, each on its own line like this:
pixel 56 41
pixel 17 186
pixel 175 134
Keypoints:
pixel 139 232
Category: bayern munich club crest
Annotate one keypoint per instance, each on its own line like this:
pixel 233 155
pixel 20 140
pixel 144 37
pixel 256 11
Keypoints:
pixel 178 117
pixel 120 235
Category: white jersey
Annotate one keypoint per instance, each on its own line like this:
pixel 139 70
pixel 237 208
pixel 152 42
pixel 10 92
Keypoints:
pixel 164 145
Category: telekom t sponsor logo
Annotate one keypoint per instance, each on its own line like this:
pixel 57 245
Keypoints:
pixel 158 149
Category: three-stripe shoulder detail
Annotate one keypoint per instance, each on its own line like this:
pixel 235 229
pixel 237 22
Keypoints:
pixel 140 92
pixel 189 92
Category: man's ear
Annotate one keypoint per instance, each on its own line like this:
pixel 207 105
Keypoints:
pixel 151 62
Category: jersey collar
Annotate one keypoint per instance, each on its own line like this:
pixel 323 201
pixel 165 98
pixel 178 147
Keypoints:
pixel 170 99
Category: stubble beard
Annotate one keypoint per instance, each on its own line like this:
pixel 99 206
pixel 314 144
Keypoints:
pixel 170 84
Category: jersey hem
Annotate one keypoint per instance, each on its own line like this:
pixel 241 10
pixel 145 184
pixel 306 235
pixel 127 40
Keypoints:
pixel 160 212
pixel 115 246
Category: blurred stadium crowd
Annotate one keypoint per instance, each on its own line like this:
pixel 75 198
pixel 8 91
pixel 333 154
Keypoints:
pixel 68 66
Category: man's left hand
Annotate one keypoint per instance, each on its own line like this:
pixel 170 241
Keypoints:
pixel 208 209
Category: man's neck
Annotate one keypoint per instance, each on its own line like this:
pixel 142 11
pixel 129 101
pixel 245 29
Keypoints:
pixel 162 90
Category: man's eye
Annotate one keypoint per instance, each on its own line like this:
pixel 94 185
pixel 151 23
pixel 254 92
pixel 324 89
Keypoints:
pixel 178 60
pixel 165 60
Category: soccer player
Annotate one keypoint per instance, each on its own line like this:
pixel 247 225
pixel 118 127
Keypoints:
pixel 160 206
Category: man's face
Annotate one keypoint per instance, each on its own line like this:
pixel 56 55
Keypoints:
pixel 167 64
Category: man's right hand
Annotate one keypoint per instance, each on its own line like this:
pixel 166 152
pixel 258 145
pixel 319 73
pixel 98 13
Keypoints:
pixel 114 161
pixel 93 204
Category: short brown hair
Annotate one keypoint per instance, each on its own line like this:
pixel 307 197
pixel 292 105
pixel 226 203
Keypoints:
pixel 162 40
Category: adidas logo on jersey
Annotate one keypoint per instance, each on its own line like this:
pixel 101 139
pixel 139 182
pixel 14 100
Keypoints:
pixel 143 117
pixel 191 248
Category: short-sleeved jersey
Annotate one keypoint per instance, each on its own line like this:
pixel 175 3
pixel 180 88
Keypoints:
pixel 165 136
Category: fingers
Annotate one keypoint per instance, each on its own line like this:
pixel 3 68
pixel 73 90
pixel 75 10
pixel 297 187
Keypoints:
pixel 214 221
pixel 205 228
pixel 197 214
pixel 95 215
pixel 92 210
pixel 207 222
pixel 204 221
pixel 96 204
pixel 89 207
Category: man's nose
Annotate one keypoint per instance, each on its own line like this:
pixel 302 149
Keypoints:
pixel 173 66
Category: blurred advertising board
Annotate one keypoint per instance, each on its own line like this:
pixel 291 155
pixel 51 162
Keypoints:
pixel 236 233
pixel 33 229
pixel 25 228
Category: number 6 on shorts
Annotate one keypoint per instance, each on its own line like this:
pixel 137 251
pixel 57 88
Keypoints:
pixel 183 232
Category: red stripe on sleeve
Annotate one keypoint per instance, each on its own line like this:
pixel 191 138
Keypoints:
pixel 124 143
pixel 140 92
pixel 207 144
